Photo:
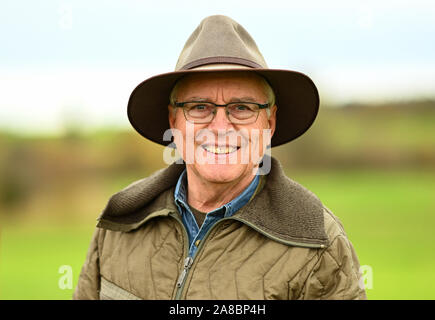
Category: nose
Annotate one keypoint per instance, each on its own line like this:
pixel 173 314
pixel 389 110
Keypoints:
pixel 220 120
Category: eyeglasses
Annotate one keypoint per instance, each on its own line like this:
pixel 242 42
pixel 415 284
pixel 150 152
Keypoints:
pixel 236 112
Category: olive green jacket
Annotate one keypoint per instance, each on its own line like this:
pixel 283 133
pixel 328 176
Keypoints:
pixel 283 244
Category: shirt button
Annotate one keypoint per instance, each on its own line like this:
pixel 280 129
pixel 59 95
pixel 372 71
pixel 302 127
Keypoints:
pixel 197 242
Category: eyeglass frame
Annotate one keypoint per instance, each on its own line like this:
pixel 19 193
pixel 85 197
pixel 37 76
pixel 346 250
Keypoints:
pixel 260 107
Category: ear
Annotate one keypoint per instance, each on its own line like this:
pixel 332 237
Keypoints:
pixel 272 120
pixel 171 116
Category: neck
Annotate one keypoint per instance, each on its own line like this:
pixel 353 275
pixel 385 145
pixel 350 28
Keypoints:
pixel 206 196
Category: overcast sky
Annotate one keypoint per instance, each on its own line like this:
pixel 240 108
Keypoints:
pixel 63 61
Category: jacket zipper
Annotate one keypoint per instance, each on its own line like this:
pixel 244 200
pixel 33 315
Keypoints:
pixel 187 264
pixel 188 261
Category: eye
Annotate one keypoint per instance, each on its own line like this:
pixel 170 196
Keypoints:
pixel 199 107
pixel 241 107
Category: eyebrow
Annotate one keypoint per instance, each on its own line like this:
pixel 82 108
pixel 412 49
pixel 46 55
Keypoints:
pixel 195 98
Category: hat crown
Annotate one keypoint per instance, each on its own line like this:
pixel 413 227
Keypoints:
pixel 220 40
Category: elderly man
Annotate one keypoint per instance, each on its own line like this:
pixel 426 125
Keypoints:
pixel 225 222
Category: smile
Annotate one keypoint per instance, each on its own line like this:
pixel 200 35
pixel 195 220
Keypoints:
pixel 220 149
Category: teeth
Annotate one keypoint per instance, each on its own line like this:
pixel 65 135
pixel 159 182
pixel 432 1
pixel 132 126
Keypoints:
pixel 220 150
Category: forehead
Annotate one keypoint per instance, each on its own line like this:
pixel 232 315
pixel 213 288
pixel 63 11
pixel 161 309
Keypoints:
pixel 235 84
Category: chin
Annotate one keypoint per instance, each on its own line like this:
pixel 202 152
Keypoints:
pixel 222 173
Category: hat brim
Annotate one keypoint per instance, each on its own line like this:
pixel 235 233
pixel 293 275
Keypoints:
pixel 296 96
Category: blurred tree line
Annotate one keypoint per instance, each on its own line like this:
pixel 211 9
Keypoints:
pixel 74 174
pixel 392 135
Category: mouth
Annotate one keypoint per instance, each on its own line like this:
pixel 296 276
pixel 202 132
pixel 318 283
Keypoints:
pixel 220 150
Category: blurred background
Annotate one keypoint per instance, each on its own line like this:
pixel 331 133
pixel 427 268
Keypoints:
pixel 67 69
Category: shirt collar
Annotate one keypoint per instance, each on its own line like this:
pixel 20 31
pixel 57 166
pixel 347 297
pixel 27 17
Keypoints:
pixel 229 208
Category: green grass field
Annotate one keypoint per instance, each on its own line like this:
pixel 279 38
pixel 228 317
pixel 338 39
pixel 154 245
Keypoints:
pixel 389 218
pixel 388 215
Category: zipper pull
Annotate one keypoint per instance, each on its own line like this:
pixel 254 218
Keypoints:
pixel 187 264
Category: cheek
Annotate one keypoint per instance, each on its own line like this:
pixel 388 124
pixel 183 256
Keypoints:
pixel 259 138
pixel 263 120
pixel 184 137
pixel 178 120
pixel 265 131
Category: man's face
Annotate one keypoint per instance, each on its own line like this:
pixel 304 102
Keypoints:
pixel 223 151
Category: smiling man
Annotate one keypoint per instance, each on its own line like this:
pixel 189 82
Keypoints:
pixel 231 134
pixel 225 222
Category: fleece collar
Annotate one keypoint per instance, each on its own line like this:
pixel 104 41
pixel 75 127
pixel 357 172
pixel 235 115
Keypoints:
pixel 282 210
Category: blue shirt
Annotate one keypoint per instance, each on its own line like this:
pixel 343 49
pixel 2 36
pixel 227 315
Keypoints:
pixel 196 233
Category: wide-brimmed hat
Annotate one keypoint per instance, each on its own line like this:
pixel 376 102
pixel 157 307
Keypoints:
pixel 220 44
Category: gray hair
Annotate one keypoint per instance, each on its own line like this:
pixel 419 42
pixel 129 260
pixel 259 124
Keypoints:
pixel 266 86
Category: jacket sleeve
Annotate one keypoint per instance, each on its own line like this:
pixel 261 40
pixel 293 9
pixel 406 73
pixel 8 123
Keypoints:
pixel 336 274
pixel 89 280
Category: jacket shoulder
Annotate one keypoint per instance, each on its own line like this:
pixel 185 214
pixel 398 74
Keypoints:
pixel 336 272
pixel 128 208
